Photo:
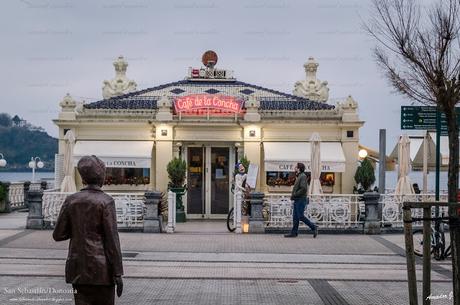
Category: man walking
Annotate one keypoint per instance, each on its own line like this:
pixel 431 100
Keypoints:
pixel 88 218
pixel 299 195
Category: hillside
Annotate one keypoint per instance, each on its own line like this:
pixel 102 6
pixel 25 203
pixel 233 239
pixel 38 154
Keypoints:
pixel 19 141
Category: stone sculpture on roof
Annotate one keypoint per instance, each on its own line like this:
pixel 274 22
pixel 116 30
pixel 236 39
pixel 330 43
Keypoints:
pixel 120 84
pixel 312 88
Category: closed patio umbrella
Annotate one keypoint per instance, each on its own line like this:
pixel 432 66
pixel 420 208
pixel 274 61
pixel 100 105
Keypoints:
pixel 404 186
pixel 315 165
pixel 68 184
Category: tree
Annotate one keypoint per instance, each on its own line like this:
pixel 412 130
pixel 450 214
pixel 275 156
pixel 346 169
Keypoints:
pixel 16 120
pixel 5 120
pixel 418 50
pixel 364 175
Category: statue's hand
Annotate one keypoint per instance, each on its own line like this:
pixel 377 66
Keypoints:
pixel 119 283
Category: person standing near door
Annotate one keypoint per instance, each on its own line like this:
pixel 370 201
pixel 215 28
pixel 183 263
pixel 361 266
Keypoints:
pixel 299 196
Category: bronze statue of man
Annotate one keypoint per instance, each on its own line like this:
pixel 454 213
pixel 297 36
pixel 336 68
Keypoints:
pixel 94 263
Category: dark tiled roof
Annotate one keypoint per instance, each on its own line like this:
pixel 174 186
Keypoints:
pixel 269 99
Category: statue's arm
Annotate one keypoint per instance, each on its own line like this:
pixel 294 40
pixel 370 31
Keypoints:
pixel 111 239
pixel 63 229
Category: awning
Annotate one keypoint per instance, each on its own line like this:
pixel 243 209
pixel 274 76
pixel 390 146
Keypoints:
pixel 121 154
pixel 283 156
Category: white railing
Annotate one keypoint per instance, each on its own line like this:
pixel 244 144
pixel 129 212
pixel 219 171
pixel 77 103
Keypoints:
pixel 328 211
pixel 16 195
pixel 171 227
pixel 130 208
pixel 392 213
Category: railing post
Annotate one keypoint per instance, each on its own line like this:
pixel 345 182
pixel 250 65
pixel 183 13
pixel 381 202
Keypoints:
pixel 426 256
pixel 151 218
pixel 237 211
pixel 43 185
pixel 35 217
pixel 410 256
pixel 372 221
pixel 5 206
pixel 256 220
pixel 171 212
pixel 26 191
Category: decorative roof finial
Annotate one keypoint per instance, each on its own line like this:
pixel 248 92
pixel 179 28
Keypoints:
pixel 312 88
pixel 120 84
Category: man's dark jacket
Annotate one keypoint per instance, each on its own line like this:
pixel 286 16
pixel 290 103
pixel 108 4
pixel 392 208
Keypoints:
pixel 300 188
pixel 88 218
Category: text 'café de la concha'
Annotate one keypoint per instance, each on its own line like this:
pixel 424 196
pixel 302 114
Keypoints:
pixel 211 120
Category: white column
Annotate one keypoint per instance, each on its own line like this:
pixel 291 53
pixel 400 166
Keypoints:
pixel 171 212
pixel 237 211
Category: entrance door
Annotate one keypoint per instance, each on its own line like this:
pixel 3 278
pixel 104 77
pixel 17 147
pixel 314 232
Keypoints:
pixel 220 179
pixel 195 181
pixel 208 181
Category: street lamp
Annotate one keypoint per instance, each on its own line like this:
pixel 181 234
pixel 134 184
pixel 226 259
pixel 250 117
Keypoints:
pixel 362 153
pixel 35 162
pixel 2 160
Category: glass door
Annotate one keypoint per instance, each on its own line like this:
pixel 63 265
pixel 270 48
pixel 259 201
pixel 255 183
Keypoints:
pixel 220 179
pixel 195 181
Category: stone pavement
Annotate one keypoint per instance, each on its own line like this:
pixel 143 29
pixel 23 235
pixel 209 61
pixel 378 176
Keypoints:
pixel 203 264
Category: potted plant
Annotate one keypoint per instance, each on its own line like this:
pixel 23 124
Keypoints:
pixel 364 176
pixel 176 172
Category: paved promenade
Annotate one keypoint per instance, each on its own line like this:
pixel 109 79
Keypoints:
pixel 203 264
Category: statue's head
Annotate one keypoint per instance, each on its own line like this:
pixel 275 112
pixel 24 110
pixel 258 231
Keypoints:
pixel 92 170
pixel 241 168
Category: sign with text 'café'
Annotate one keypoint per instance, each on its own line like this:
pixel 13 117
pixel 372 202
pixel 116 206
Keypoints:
pixel 214 103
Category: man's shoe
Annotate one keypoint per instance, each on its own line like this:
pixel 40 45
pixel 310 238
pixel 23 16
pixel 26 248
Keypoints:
pixel 315 232
pixel 290 235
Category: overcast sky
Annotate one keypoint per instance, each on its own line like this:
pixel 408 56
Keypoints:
pixel 49 48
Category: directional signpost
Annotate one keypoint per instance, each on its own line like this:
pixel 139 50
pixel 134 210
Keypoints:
pixel 423 118
pixel 427 118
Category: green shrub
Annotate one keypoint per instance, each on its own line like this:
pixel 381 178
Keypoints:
pixel 364 175
pixel 176 172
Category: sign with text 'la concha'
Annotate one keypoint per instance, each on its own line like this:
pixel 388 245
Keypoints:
pixel 214 103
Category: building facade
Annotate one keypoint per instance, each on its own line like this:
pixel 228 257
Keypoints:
pixel 212 120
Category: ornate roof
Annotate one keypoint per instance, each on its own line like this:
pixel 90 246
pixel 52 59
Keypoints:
pixel 269 99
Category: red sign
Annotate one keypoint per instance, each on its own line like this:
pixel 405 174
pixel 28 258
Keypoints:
pixel 222 103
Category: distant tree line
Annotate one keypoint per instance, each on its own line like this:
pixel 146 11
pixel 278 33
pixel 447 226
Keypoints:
pixel 20 140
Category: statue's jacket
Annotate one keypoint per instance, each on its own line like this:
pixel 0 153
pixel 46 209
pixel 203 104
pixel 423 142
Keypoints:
pixel 88 219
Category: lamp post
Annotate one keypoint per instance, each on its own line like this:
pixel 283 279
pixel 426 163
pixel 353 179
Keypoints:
pixel 2 160
pixel 35 162
pixel 362 153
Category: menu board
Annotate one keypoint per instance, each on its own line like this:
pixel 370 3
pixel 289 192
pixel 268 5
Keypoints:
pixel 251 179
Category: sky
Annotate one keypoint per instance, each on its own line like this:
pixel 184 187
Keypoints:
pixel 50 48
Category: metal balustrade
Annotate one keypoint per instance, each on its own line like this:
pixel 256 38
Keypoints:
pixel 392 212
pixel 130 208
pixel 328 211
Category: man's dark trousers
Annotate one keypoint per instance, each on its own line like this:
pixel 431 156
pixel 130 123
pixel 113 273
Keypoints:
pixel 298 214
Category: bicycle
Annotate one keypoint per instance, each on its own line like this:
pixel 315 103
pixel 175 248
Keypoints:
pixel 438 242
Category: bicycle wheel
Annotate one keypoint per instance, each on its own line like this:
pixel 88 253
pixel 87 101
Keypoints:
pixel 230 224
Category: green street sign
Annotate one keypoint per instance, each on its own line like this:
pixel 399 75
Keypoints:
pixel 423 118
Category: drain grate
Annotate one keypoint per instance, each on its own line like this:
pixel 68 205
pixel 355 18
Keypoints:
pixel 129 254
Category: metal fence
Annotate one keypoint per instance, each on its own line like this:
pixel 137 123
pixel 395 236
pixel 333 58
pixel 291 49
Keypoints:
pixel 328 211
pixel 392 212
pixel 130 208
pixel 343 210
